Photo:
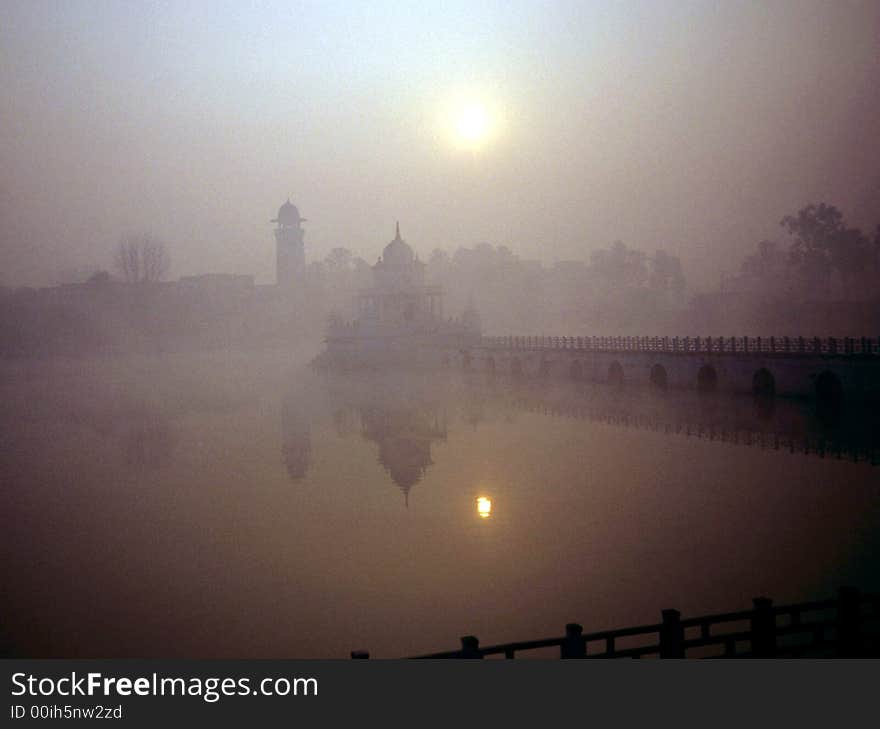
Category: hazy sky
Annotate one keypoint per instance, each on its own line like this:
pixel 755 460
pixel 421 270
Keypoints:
pixel 691 126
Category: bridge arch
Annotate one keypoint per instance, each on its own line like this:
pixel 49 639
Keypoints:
pixel 516 366
pixel 576 370
pixel 490 365
pixel 659 378
pixel 829 390
pixel 707 379
pixel 763 383
pixel 615 374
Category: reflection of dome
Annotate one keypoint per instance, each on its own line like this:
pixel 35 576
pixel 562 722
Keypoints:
pixel 398 252
pixel 404 438
pixel 406 460
pixel 288 215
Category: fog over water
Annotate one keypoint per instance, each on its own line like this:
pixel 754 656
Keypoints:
pixel 229 504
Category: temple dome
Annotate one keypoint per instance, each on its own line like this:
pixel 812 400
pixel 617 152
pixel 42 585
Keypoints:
pixel 398 252
pixel 288 214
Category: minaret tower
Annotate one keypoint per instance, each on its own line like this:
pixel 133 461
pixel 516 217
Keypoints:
pixel 290 256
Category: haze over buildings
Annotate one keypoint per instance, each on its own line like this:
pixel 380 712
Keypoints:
pixel 690 127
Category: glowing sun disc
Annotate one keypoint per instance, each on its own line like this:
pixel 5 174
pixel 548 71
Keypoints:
pixel 472 123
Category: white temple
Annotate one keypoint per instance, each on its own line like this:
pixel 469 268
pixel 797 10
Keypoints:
pixel 399 318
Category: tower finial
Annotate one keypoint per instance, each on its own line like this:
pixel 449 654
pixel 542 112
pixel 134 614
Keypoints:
pixel 397 231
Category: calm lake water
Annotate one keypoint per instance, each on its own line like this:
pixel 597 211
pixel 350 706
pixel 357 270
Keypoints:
pixel 241 505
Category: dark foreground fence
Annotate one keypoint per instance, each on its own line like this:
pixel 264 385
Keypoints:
pixel 844 627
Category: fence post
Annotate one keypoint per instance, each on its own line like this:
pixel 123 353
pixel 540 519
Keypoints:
pixel 470 647
pixel 671 635
pixel 360 654
pixel 573 645
pixel 848 619
pixel 763 628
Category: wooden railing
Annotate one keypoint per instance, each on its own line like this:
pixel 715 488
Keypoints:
pixel 846 346
pixel 845 627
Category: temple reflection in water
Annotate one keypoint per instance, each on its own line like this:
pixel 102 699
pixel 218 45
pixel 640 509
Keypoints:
pixel 404 437
pixel 406 418
pixel 403 418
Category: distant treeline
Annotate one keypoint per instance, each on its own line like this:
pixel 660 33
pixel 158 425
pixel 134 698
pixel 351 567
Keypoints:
pixel 821 280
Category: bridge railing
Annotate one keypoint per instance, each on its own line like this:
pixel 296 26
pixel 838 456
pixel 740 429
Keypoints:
pixel 844 627
pixel 850 346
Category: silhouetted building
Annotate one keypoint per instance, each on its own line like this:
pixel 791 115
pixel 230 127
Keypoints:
pixel 399 299
pixel 399 318
pixel 290 257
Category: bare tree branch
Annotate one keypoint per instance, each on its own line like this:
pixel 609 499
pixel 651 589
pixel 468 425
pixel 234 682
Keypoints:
pixel 142 259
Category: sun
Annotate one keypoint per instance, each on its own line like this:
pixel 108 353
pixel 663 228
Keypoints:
pixel 471 121
pixel 472 124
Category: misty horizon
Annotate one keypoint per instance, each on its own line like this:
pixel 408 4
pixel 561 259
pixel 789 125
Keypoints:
pixel 687 128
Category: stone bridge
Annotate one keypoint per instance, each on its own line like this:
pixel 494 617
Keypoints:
pixel 829 369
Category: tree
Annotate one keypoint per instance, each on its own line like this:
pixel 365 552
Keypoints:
pixel 767 271
pixel 142 258
pixel 619 265
pixel 823 244
pixel 666 273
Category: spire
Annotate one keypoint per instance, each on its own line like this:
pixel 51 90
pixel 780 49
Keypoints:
pixel 397 231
